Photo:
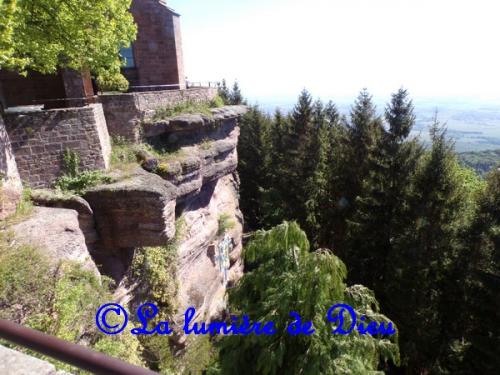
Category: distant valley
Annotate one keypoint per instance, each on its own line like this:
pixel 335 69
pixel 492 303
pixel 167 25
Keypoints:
pixel 472 124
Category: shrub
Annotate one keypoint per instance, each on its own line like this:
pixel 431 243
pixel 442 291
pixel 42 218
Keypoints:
pixel 73 180
pixel 71 163
pixel 217 102
pixel 225 224
pixel 112 82
pixel 82 182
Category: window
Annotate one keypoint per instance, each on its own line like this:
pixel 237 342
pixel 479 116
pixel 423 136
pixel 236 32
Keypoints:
pixel 128 55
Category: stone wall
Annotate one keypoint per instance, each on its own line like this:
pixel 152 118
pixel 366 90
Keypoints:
pixel 39 139
pixel 10 183
pixel 125 112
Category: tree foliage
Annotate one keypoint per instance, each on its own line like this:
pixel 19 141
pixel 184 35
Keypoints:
pixel 44 35
pixel 285 276
pixel 409 221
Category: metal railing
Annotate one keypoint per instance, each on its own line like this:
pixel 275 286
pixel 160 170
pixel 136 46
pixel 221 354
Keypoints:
pixel 175 86
pixel 73 354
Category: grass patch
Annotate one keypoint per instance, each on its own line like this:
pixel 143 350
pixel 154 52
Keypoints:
pixel 123 154
pixel 59 300
pixel 24 209
pixel 188 107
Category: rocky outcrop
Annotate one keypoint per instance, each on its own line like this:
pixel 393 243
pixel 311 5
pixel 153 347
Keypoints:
pixel 17 363
pixel 196 185
pixel 10 183
pixel 125 112
pixel 206 147
pixel 56 232
pixel 210 217
pixel 55 199
pixel 137 211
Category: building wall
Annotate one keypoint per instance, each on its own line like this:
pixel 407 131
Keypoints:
pixel 10 183
pixel 125 112
pixel 33 89
pixel 39 139
pixel 158 48
pixel 63 89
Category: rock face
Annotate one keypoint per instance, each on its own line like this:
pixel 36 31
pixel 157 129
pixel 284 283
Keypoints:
pixel 56 232
pixel 49 198
pixel 202 272
pixel 17 363
pixel 197 185
pixel 138 211
pixel 10 183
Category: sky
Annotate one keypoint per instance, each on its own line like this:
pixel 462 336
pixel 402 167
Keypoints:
pixel 334 48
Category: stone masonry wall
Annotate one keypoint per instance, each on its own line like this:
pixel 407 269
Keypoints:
pixel 39 139
pixel 125 112
pixel 10 183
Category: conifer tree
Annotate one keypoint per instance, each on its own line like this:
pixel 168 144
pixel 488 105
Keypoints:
pixel 235 97
pixel 251 168
pixel 296 145
pixel 424 258
pixel 224 92
pixel 382 204
pixel 274 207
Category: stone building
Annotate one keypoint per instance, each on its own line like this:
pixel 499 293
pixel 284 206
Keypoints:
pixel 153 62
pixel 155 59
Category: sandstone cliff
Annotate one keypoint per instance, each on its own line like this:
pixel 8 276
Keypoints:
pixel 197 185
pixel 184 196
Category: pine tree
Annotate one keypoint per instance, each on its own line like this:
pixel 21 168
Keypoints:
pixel 296 145
pixel 426 252
pixel 274 207
pixel 332 114
pixel 235 97
pixel 224 92
pixel 251 167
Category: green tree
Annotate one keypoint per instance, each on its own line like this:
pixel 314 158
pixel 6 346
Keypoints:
pixel 296 168
pixel 45 35
pixel 420 287
pixel 224 92
pixel 251 167
pixel 477 339
pixel 382 206
pixel 285 276
pixel 235 97
pixel 274 207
